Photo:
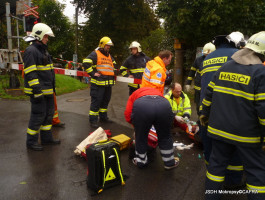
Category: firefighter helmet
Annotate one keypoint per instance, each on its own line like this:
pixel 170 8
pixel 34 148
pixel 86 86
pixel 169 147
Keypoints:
pixel 137 45
pixel 105 41
pixel 257 43
pixel 208 48
pixel 219 39
pixel 39 30
pixel 237 38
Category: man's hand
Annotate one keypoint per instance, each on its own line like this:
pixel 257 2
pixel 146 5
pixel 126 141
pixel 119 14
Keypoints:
pixel 97 74
pixel 204 120
pixel 179 119
pixel 130 76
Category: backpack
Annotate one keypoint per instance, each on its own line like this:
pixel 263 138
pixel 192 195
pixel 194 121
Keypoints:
pixel 104 169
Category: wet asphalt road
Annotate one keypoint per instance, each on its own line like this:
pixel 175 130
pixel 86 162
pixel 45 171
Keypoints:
pixel 57 173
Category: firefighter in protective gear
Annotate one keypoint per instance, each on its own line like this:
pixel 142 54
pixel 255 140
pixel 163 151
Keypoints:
pixel 155 71
pixel 180 104
pixel 224 50
pixel 235 104
pixel 147 107
pixel 195 73
pixel 99 64
pixel 40 86
pixel 134 65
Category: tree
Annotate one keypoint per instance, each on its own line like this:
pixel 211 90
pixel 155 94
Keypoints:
pixel 123 21
pixel 196 22
pixel 51 13
pixel 157 41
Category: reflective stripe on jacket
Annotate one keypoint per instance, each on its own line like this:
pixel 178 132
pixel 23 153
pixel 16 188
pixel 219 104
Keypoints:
pixel 183 108
pixel 235 102
pixel 134 65
pixel 90 65
pixel 212 63
pixel 104 64
pixel 38 70
pixel 155 74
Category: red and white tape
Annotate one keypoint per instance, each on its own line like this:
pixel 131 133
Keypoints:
pixel 70 72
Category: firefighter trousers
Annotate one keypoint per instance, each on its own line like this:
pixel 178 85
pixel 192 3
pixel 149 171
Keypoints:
pixel 42 110
pixel 148 111
pixel 253 160
pixel 234 171
pixel 100 98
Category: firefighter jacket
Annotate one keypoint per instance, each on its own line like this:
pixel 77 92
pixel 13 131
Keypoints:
pixel 136 95
pixel 182 107
pixel 134 65
pixel 212 63
pixel 103 63
pixel 155 74
pixel 235 103
pixel 195 73
pixel 38 70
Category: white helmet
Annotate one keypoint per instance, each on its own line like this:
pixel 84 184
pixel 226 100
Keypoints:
pixel 39 30
pixel 137 45
pixel 257 43
pixel 208 48
pixel 237 38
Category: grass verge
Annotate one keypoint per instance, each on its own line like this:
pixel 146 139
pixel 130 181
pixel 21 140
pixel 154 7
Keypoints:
pixel 64 84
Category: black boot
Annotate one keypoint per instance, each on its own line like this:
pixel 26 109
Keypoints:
pixel 94 124
pixel 47 139
pixel 32 142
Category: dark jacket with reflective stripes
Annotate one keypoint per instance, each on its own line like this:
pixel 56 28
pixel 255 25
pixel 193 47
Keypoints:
pixel 212 63
pixel 134 65
pixel 90 64
pixel 38 69
pixel 235 103
pixel 195 73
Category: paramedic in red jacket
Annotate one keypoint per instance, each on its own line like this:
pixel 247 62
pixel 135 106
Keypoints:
pixel 147 107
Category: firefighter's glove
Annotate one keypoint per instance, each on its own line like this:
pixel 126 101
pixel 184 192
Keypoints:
pixel 204 120
pixel 187 88
pixel 179 119
pixel 263 148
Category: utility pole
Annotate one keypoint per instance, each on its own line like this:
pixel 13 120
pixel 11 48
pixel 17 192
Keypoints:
pixel 75 58
pixel 178 62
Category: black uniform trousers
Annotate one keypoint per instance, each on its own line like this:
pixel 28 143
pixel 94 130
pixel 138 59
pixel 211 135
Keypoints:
pixel 132 89
pixel 148 111
pixel 253 162
pixel 42 110
pixel 100 98
pixel 197 94
pixel 233 173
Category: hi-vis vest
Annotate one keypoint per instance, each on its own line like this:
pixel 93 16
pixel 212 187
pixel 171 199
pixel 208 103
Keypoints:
pixel 183 107
pixel 155 74
pixel 104 64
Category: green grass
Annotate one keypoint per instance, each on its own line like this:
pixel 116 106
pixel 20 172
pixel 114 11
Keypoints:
pixel 67 84
pixel 64 84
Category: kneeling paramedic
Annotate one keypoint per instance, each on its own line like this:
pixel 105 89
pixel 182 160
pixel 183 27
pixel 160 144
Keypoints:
pixel 147 107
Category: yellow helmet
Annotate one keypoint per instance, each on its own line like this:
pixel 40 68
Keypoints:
pixel 105 41
pixel 208 48
pixel 257 43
